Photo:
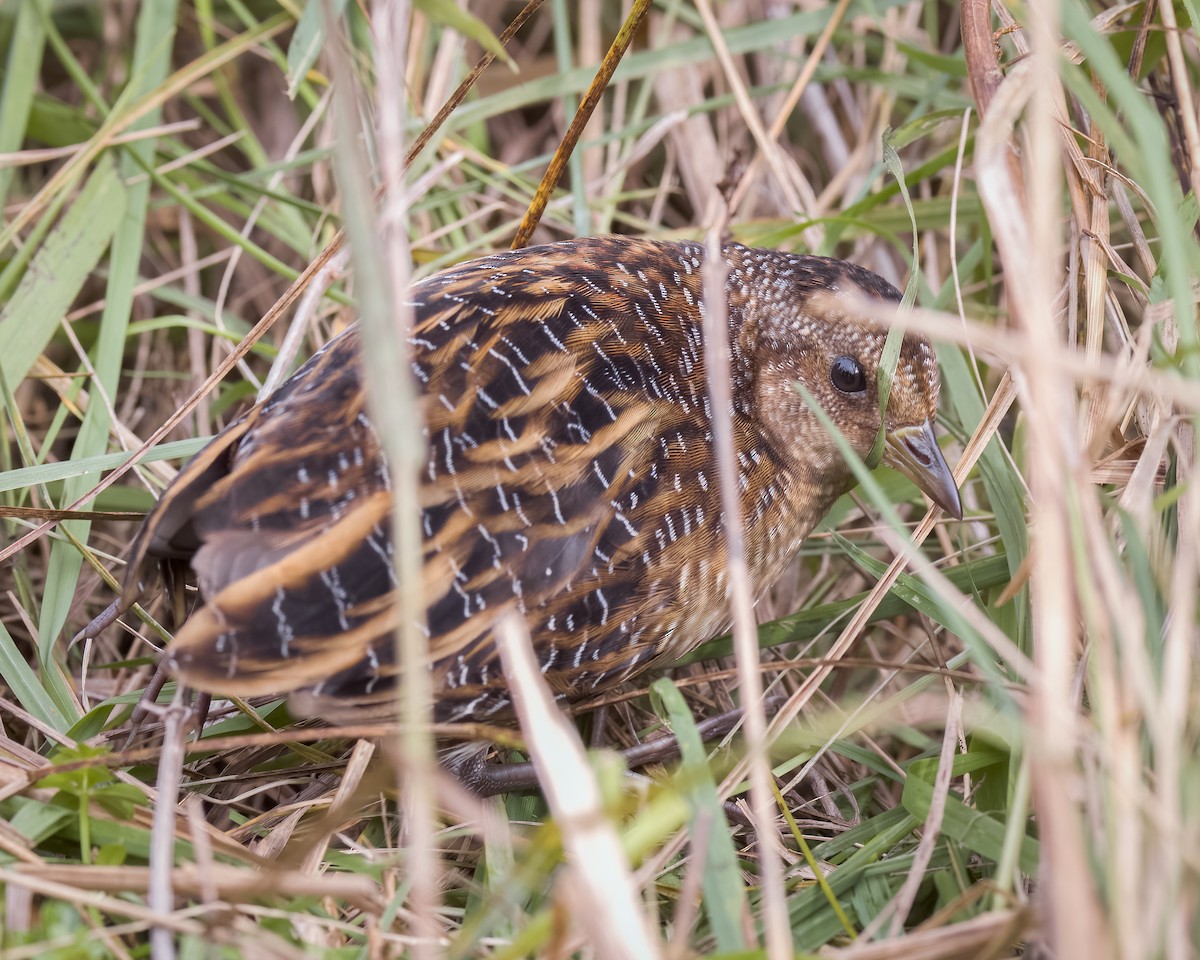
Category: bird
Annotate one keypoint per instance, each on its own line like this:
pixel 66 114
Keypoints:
pixel 569 475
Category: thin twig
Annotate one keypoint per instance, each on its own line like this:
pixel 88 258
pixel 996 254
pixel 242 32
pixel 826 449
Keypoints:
pixel 558 163
pixel 610 911
pixel 745 627
pixel 161 895
pixel 902 902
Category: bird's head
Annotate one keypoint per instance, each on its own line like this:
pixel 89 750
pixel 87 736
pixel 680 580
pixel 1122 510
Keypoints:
pixel 820 345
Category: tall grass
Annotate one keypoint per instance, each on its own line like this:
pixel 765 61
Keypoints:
pixel 983 735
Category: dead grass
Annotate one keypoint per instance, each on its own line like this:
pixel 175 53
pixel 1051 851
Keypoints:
pixel 983 744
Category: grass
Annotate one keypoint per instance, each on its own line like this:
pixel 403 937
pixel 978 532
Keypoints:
pixel 983 738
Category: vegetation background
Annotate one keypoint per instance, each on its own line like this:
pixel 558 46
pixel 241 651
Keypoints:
pixel 983 748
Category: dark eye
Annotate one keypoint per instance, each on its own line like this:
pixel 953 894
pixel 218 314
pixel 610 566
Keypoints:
pixel 847 375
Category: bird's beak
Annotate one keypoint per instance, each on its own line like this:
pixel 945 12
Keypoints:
pixel 914 451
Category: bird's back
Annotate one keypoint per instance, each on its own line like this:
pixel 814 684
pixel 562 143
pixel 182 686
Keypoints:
pixel 569 476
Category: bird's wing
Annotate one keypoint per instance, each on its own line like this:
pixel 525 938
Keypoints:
pixel 539 422
pixel 269 512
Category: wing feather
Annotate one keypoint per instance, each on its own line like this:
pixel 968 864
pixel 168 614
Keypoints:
pixel 532 441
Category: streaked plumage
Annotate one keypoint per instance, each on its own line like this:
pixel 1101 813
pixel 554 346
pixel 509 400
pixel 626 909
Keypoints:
pixel 569 475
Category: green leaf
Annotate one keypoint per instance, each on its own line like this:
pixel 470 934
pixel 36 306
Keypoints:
pixel 891 347
pixel 59 270
pixel 120 799
pixel 26 685
pixel 308 38
pixel 20 84
pixel 724 895
pixel 975 830
pixel 35 820
pixel 976 576
pixel 81 779
pixel 24 477
pixel 110 855
pixel 450 14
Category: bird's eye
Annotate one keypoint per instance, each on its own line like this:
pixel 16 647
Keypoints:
pixel 847 375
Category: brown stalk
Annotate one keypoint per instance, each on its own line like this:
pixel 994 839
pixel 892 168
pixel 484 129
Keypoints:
pixel 38 513
pixel 983 67
pixel 17 879
pixel 558 163
pixel 168 779
pixel 1022 202
pixel 598 876
pixel 741 595
pixel 979 49
pixel 232 884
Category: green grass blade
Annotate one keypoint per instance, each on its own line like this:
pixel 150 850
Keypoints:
pixel 724 895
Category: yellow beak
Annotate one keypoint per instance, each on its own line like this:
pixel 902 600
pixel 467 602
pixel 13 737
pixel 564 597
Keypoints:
pixel 914 451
